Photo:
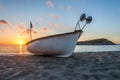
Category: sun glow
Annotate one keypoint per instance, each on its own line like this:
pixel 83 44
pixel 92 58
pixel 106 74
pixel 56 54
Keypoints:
pixel 21 42
pixel 21 46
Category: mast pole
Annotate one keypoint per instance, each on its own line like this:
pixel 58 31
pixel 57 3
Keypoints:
pixel 31 26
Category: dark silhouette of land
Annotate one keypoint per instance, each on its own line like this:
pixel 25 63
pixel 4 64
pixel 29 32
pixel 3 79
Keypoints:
pixel 101 41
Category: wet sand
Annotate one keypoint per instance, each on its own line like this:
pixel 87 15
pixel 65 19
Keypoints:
pixel 82 66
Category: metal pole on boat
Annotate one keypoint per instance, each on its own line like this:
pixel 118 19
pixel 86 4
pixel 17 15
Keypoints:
pixel 31 26
pixel 88 20
pixel 77 25
pixel 82 18
pixel 84 26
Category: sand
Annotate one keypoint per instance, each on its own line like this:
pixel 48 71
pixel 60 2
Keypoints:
pixel 82 66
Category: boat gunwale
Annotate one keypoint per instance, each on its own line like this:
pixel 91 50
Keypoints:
pixel 53 36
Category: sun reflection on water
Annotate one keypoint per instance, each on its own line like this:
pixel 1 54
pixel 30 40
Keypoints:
pixel 21 47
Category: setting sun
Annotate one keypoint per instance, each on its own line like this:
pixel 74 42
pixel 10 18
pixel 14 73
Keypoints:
pixel 21 42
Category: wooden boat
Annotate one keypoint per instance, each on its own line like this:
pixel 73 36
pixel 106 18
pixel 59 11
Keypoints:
pixel 57 45
pixel 60 45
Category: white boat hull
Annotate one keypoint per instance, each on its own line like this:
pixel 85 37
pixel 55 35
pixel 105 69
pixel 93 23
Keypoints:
pixel 61 45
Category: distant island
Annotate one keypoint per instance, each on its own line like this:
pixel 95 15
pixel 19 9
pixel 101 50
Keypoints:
pixel 101 41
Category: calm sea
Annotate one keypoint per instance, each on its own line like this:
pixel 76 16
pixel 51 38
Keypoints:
pixel 97 48
pixel 10 50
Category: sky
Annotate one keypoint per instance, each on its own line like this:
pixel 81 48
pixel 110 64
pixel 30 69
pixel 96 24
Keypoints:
pixel 51 17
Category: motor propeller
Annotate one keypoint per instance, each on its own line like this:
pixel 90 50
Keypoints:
pixel 88 19
pixel 82 18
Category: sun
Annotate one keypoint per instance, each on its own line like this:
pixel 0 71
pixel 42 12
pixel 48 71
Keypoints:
pixel 21 42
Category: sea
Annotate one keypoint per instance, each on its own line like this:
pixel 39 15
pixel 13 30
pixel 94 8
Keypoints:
pixel 96 48
pixel 13 50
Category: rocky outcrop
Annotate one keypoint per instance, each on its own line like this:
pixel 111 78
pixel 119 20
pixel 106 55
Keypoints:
pixel 101 41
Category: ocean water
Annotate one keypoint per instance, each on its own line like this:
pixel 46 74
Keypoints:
pixel 96 48
pixel 10 50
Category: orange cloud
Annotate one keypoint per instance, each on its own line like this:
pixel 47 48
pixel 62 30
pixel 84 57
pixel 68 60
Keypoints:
pixel 44 29
pixel 59 28
pixel 69 8
pixel 2 21
pixel 55 25
pixel 21 26
pixel 26 31
pixel 1 30
pixel 54 16
pixel 45 32
pixel 33 31
pixel 50 3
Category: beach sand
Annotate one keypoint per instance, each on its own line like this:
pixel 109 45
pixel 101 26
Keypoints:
pixel 82 66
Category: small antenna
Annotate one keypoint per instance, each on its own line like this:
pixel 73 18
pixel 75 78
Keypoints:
pixel 31 26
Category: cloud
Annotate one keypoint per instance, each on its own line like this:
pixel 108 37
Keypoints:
pixel 5 30
pixel 54 16
pixel 27 31
pixel 69 8
pixel 22 29
pixel 45 29
pixel 33 31
pixel 50 3
pixel 45 32
pixel 2 21
pixel 58 26
pixel 1 30
pixel 21 26
pixel 1 7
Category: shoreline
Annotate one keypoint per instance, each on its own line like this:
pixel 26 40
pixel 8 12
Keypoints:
pixel 74 53
pixel 81 66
